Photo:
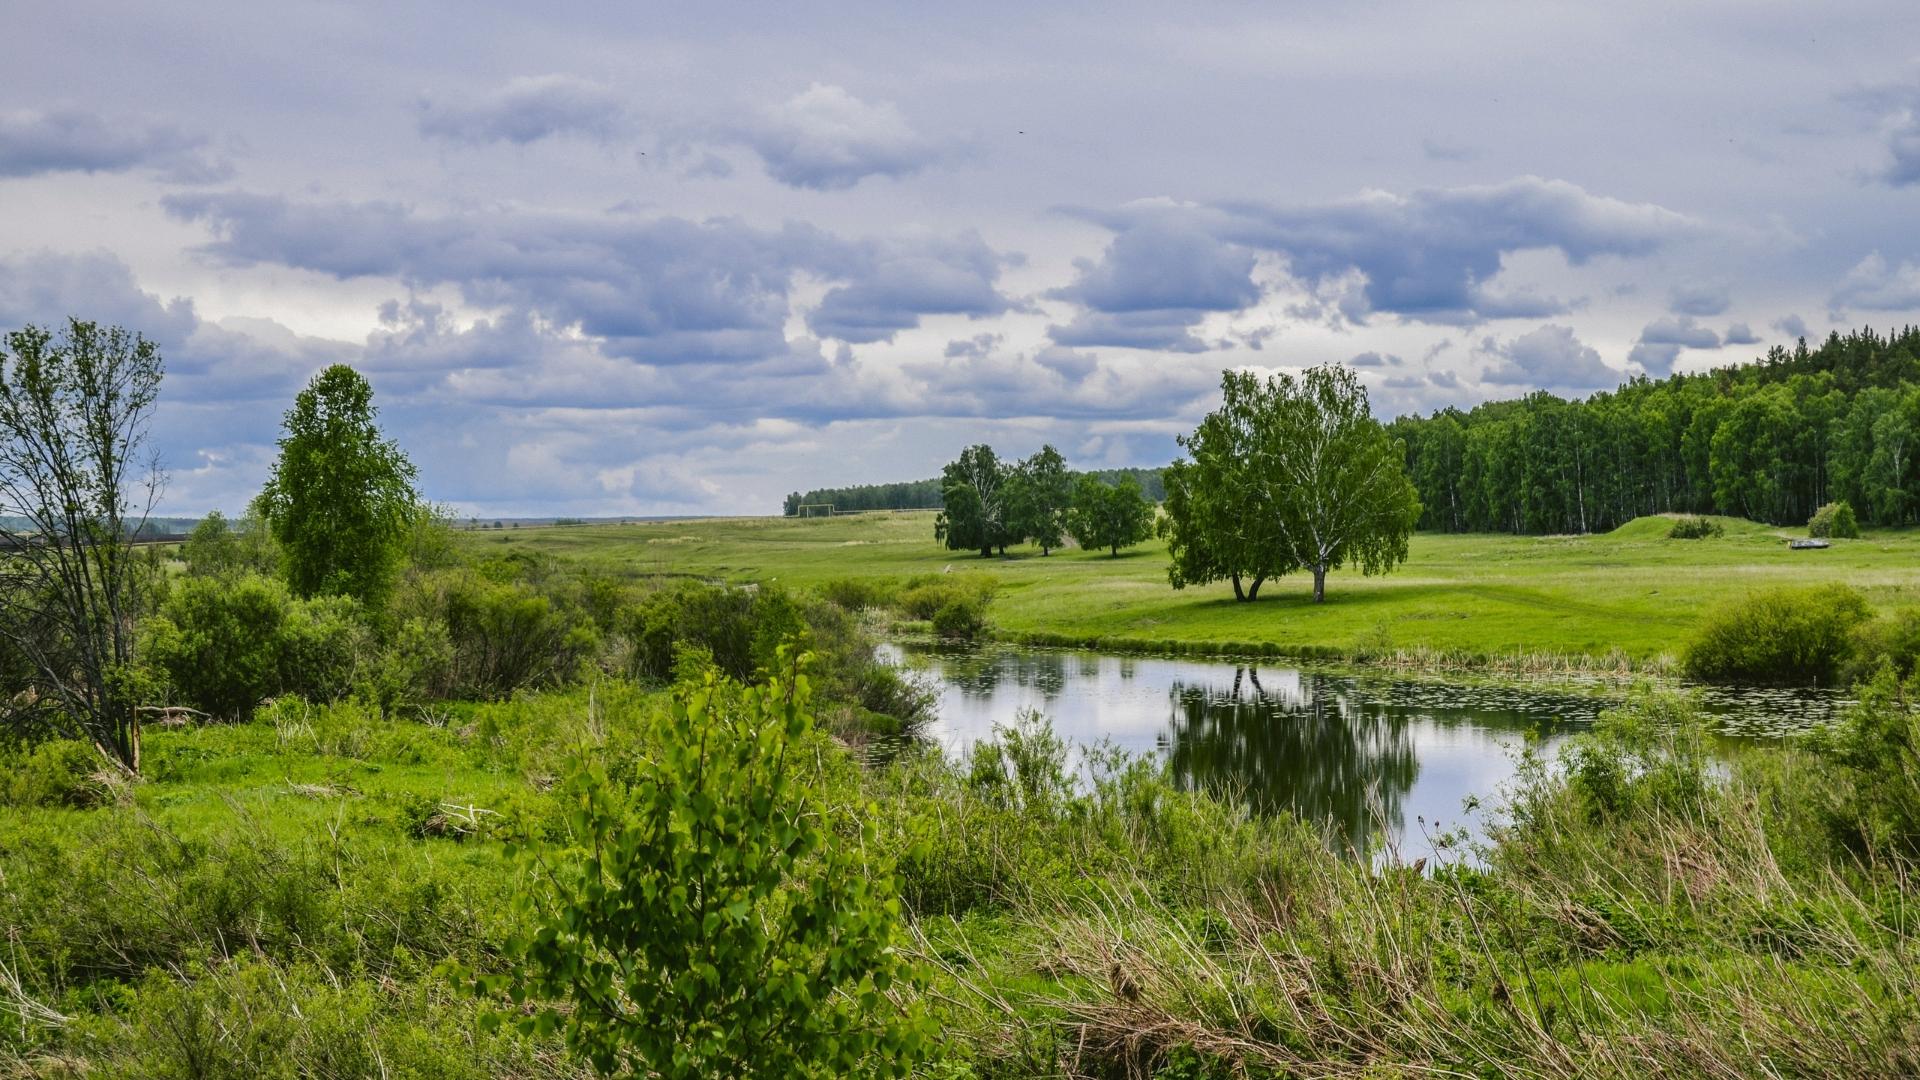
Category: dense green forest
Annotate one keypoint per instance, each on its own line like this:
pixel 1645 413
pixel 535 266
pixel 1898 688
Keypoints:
pixel 1771 441
pixel 925 494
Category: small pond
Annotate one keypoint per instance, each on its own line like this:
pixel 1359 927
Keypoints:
pixel 1369 757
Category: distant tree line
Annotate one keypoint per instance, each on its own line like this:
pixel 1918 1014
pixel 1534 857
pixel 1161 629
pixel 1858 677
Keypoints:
pixel 907 495
pixel 1771 441
pixel 925 494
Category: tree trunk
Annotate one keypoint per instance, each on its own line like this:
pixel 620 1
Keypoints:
pixel 986 552
pixel 1320 583
pixel 1254 592
pixel 1239 594
pixel 1115 553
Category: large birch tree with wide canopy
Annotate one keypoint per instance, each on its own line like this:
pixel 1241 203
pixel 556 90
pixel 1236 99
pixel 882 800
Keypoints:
pixel 1288 474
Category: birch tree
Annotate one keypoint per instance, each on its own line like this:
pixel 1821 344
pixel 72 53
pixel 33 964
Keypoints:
pixel 1288 474
pixel 74 415
pixel 974 490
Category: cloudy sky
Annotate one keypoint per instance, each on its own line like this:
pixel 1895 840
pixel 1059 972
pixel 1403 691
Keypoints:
pixel 638 259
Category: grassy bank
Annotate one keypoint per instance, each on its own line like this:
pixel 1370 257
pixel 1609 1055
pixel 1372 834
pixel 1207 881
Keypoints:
pixel 293 896
pixel 1622 600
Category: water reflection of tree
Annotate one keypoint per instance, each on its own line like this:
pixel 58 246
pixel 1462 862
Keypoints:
pixel 1312 751
pixel 979 674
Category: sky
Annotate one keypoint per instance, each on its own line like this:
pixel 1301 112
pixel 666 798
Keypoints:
pixel 625 259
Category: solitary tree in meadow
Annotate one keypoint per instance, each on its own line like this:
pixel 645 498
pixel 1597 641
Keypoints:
pixel 340 500
pixel 1289 474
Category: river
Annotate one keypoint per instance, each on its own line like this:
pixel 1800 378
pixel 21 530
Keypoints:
pixel 1371 758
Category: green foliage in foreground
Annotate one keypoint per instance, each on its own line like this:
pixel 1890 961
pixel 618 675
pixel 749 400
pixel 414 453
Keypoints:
pixel 294 896
pixel 707 920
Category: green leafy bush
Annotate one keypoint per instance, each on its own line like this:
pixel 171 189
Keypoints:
pixel 226 644
pixel 1779 636
pixel 711 922
pixel 927 593
pixel 1877 743
pixel 60 772
pixel 740 627
pixel 859 594
pixel 501 635
pixel 960 620
pixel 1892 639
pixel 1695 528
pixel 1647 756
pixel 1836 519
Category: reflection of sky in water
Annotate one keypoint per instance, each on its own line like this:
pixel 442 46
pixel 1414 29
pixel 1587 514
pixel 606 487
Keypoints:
pixel 1345 751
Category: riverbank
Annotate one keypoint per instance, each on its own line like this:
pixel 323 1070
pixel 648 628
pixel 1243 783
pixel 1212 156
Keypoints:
pixel 1623 602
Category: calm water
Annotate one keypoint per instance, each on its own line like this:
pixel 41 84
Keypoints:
pixel 1356 754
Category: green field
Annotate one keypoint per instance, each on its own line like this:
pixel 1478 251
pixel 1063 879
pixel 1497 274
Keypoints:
pixel 1631 594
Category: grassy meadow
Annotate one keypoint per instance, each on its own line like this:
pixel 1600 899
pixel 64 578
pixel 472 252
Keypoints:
pixel 1630 597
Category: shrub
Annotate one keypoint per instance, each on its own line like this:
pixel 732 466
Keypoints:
pixel 1779 636
pixel 502 635
pixel 1836 519
pixel 226 644
pixel 1695 528
pixel 960 620
pixel 1877 743
pixel 925 595
pixel 1892 639
pixel 62 772
pixel 1649 756
pixel 859 594
pixel 711 898
pixel 740 627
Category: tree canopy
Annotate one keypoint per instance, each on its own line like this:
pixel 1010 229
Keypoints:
pixel 1110 516
pixel 1288 474
pixel 974 490
pixel 1041 494
pixel 340 501
pixel 1772 441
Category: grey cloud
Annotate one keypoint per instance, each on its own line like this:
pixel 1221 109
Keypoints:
pixel 1153 284
pixel 1792 325
pixel 1655 358
pixel 1070 364
pixel 1128 330
pixel 1662 341
pixel 1903 147
pixel 1548 356
pixel 902 282
pixel 1681 331
pixel 826 139
pixel 1700 300
pixel 1374 360
pixel 1873 285
pixel 34 142
pixel 661 291
pixel 526 110
pixel 975 346
pixel 1740 334
pixel 1429 255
